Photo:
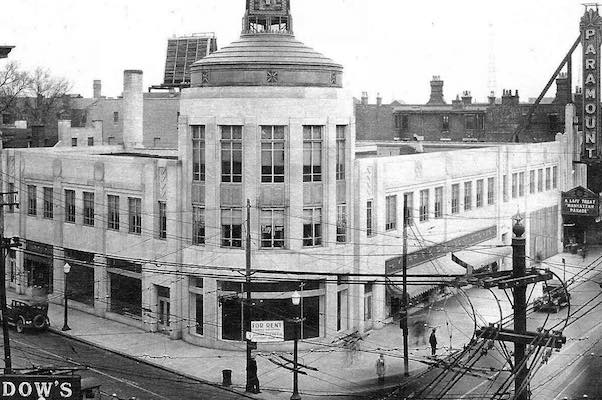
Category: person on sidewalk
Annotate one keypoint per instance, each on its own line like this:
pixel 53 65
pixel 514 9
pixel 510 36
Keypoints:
pixel 380 368
pixel 253 379
pixel 433 342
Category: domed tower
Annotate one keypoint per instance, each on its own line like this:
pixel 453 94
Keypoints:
pixel 266 120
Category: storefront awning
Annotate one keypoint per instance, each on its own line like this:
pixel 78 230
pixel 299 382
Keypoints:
pixel 417 284
pixel 483 255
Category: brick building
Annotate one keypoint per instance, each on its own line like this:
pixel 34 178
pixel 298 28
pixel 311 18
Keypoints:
pixel 463 119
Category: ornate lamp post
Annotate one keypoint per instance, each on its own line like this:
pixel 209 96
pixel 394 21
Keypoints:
pixel 296 299
pixel 66 269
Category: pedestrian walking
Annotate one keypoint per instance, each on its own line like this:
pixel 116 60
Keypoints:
pixel 433 342
pixel 253 379
pixel 380 368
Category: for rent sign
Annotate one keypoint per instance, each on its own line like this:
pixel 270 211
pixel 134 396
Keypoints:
pixel 267 331
pixel 40 387
pixel 591 36
pixel 580 201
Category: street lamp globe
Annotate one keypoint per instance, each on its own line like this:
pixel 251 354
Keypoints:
pixel 296 298
pixel 67 268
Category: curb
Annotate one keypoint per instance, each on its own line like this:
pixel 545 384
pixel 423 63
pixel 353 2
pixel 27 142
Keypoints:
pixel 162 367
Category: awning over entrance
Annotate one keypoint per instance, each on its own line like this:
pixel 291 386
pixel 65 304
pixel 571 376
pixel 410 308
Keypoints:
pixel 418 285
pixel 483 255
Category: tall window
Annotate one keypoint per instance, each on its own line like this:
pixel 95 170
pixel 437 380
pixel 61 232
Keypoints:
pixel 73 142
pixel 231 153
pixel 469 121
pixel 481 121
pixel 135 215
pixel 69 205
pixel 521 184
pixel 480 193
pixel 532 181
pixel 312 153
pixel 423 214
pixel 548 178
pixel 232 227
pixel 89 208
pixel 312 227
pixel 554 177
pixel 467 196
pixel 90 141
pixel 369 219
pixel 198 153
pixel 48 203
pixel 514 185
pixel 439 202
pixel 12 197
pixel 196 303
pixel 162 220
pixel 408 208
pixel 445 122
pixel 32 200
pixel 455 198
pixel 391 212
pixel 490 191
pixel 272 154
pixel 540 180
pixel 341 223
pixel 115 117
pixel 505 187
pixel 272 228
pixel 113 212
pixel 198 225
pixel 341 152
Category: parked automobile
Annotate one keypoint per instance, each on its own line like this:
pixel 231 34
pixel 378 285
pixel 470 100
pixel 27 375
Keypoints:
pixel 553 299
pixel 27 314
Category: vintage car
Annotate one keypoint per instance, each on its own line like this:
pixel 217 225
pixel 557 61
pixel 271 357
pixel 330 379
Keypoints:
pixel 554 297
pixel 27 314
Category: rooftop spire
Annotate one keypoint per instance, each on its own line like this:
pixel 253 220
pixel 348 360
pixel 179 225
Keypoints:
pixel 268 16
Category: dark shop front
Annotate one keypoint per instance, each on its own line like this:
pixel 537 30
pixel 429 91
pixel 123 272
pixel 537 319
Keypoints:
pixel 38 265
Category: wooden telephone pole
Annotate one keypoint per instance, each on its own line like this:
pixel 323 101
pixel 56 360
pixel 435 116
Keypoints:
pixel 5 245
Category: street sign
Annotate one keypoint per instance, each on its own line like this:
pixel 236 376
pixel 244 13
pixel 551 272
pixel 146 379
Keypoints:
pixel 40 387
pixel 267 331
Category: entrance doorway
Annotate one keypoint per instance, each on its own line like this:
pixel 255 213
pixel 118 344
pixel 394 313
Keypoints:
pixel 163 311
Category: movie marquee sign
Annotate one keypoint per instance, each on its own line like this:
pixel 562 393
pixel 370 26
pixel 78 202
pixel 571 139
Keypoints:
pixel 580 201
pixel 591 36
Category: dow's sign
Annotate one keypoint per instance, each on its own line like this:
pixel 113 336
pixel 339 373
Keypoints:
pixel 40 387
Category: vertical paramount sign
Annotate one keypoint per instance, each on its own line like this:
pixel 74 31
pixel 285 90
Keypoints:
pixel 591 36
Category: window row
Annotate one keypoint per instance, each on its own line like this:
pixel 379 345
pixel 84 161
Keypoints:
pixel 537 183
pixel 89 212
pixel 273 140
pixel 470 121
pixel 272 227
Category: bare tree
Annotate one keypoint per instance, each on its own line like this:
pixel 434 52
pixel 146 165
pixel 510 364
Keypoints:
pixel 14 83
pixel 46 94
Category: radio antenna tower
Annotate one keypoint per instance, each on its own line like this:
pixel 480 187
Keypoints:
pixel 492 79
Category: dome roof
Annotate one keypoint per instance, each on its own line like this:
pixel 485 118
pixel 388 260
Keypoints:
pixel 266 59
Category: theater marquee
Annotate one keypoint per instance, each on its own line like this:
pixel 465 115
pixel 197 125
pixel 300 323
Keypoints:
pixel 591 36
pixel 580 201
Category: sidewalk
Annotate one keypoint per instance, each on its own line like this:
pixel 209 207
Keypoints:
pixel 339 372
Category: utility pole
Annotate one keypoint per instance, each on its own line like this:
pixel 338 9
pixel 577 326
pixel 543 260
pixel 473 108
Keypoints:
pixel 404 293
pixel 247 301
pixel 520 310
pixel 5 244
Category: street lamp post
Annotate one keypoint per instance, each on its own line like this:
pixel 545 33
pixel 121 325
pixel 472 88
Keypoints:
pixel 66 269
pixel 296 299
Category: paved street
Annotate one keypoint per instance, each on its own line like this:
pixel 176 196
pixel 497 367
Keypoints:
pixel 120 375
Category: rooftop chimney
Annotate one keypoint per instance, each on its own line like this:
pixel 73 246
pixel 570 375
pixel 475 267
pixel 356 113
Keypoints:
pixel 457 103
pixel 364 98
pixel 97 89
pixel 509 99
pixel 379 99
pixel 563 91
pixel 436 91
pixel 491 98
pixel 132 109
pixel 466 97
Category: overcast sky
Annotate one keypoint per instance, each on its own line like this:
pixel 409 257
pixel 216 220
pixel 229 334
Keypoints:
pixel 388 46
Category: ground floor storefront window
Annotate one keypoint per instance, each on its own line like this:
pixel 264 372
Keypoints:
pixel 125 281
pixel 265 308
pixel 38 265
pixel 80 280
pixel 196 305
